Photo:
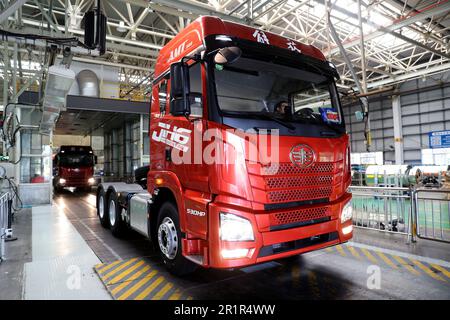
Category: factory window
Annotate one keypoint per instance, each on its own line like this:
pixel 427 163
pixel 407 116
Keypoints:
pixel 438 157
pixel 367 158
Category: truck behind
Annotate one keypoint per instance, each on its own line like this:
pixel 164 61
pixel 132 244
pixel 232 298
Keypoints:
pixel 73 167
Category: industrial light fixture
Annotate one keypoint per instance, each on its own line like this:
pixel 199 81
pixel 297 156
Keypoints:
pixel 121 27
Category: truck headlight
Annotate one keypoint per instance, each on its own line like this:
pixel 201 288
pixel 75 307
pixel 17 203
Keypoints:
pixel 62 181
pixel 347 212
pixel 235 228
pixel 91 180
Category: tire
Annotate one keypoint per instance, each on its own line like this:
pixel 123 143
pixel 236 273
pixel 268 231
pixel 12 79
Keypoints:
pixel 116 224
pixel 168 235
pixel 102 209
pixel 59 189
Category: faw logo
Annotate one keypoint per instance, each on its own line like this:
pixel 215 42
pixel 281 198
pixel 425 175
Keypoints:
pixel 196 212
pixel 302 155
pixel 179 50
pixel 260 36
pixel 177 138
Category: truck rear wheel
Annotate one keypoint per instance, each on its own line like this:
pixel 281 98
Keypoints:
pixel 102 209
pixel 116 223
pixel 169 241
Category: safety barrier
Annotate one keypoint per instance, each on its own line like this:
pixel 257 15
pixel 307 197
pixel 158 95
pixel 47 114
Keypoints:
pixel 382 208
pixel 432 214
pixel 4 222
pixel 418 213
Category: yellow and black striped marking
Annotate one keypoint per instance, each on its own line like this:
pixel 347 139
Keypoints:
pixel 138 279
pixel 393 261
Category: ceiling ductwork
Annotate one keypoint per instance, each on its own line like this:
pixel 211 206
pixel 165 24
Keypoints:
pixel 88 83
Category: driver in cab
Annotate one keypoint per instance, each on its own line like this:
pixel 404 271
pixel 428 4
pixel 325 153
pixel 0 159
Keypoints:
pixel 281 108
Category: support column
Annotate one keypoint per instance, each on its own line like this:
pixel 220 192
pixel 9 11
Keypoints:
pixel 398 131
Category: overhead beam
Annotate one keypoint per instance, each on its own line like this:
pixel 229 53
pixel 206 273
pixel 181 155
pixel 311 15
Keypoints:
pixel 439 8
pixel 197 9
pixel 411 75
pixel 13 7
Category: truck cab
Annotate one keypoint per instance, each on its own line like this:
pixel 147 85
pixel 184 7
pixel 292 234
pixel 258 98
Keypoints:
pixel 73 167
pixel 249 155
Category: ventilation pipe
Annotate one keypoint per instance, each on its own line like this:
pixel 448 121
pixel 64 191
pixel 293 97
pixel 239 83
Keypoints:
pixel 88 83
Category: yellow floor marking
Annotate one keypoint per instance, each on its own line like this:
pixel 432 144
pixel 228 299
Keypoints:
pixel 97 266
pixel 407 266
pixel 386 259
pixel 341 251
pixel 190 298
pixel 354 252
pixel 163 291
pixel 369 255
pixel 295 271
pixel 108 266
pixel 176 295
pixel 150 288
pixel 428 270
pixel 328 249
pixel 125 273
pixel 312 279
pixel 133 289
pixel 127 282
pixel 441 269
pixel 122 266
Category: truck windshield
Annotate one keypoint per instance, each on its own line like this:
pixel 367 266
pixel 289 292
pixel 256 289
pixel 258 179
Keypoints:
pixel 251 87
pixel 76 160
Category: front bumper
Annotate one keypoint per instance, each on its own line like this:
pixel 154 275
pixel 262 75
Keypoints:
pixel 269 245
pixel 75 183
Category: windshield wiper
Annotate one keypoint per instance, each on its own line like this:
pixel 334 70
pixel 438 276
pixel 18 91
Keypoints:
pixel 273 118
pixel 320 121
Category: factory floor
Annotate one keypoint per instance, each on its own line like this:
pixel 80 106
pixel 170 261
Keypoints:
pixel 62 252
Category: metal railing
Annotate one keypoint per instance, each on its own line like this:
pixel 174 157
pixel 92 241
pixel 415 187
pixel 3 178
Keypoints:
pixel 4 222
pixel 418 213
pixel 432 214
pixel 382 208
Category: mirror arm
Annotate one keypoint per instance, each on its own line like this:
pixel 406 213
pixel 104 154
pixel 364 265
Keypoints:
pixel 195 57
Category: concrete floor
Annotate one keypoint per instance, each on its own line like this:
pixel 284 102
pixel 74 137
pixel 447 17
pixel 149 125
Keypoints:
pixel 350 271
pixel 18 253
pixel 334 273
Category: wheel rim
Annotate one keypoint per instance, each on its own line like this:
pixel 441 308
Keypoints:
pixel 168 238
pixel 101 207
pixel 112 213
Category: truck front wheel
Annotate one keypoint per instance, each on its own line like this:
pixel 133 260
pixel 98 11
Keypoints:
pixel 102 209
pixel 169 241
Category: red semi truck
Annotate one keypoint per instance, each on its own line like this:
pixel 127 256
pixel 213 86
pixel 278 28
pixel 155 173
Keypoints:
pixel 73 166
pixel 223 93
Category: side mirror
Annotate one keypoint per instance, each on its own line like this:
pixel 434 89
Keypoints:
pixel 227 55
pixel 179 89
